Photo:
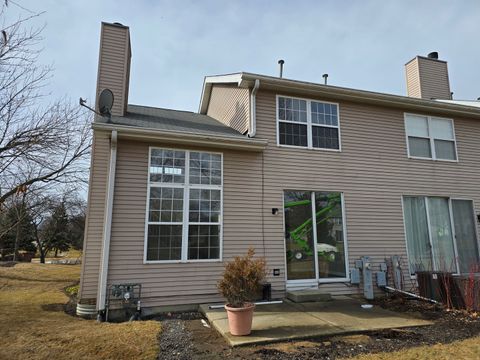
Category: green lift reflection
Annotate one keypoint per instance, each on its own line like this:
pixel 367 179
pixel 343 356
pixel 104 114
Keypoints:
pixel 299 235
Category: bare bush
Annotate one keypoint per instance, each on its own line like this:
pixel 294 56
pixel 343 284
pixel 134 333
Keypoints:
pixel 242 279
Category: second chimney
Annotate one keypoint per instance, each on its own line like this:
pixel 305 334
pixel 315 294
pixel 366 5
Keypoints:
pixel 114 65
pixel 427 78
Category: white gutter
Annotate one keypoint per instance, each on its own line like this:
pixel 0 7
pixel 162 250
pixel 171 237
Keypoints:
pixel 335 92
pixel 253 109
pixel 177 137
pixel 107 225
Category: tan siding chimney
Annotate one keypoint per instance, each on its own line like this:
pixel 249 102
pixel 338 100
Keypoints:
pixel 427 78
pixel 114 65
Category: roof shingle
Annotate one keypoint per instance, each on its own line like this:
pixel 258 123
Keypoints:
pixel 173 120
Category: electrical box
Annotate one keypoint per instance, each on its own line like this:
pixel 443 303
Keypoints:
pixel 355 276
pixel 397 272
pixel 358 264
pixel 381 278
pixel 126 297
pixel 383 266
pixel 367 278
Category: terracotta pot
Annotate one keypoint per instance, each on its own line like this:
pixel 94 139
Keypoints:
pixel 240 319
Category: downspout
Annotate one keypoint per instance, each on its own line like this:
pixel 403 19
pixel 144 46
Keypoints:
pixel 253 110
pixel 102 284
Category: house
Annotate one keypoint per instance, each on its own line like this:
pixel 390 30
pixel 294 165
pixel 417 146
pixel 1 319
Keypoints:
pixel 313 176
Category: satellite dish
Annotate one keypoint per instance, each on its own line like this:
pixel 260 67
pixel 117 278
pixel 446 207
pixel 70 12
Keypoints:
pixel 105 102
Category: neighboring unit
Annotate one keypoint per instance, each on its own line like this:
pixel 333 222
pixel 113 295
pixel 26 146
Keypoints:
pixel 313 176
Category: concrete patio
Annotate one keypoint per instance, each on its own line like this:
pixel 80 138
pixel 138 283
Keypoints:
pixel 289 320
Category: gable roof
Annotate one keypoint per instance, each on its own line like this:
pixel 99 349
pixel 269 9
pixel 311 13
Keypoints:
pixel 247 80
pixel 177 127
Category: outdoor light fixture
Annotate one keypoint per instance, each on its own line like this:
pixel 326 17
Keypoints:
pixel 274 211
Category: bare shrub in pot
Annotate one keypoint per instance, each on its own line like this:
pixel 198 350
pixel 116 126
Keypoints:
pixel 241 282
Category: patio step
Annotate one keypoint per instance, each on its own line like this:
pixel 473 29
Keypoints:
pixel 301 296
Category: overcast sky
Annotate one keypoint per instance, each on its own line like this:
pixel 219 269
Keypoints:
pixel 360 44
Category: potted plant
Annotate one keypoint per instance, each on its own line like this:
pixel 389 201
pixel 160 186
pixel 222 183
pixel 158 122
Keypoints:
pixel 240 285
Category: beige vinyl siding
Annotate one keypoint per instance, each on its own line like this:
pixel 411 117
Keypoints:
pixel 372 171
pixel 230 105
pixel 186 283
pixel 427 79
pixel 413 79
pixel 95 216
pixel 434 79
pixel 114 64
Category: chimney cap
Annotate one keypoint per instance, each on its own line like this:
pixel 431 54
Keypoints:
pixel 433 55
pixel 116 24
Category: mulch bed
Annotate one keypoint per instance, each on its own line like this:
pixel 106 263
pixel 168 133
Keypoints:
pixel 185 336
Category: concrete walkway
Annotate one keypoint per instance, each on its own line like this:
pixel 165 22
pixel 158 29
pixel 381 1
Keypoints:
pixel 287 321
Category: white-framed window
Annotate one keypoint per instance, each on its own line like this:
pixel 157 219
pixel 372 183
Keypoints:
pixel 308 123
pixel 430 137
pixel 441 234
pixel 184 206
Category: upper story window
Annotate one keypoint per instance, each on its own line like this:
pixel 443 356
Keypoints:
pixel 184 215
pixel 430 137
pixel 307 123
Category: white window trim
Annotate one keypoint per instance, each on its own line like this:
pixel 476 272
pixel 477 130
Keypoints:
pixel 309 124
pixel 308 283
pixel 186 201
pixel 430 138
pixel 452 225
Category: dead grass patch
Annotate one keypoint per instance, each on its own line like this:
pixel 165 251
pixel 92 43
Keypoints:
pixel 356 339
pixel 34 325
pixel 465 349
pixel 292 347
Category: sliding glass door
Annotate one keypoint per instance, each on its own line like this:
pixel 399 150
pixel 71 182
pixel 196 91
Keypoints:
pixel 441 234
pixel 417 233
pixel 330 236
pixel 466 235
pixel 314 237
pixel 300 249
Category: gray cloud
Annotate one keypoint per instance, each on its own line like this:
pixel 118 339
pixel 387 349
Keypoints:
pixel 175 43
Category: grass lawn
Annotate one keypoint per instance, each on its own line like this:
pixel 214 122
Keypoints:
pixel 465 349
pixel 34 325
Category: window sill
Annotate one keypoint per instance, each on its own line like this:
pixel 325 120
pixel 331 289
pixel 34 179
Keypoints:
pixel 430 159
pixel 414 277
pixel 308 148
pixel 150 262
pixel 333 280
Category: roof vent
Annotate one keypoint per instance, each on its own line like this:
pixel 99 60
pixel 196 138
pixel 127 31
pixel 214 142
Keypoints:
pixel 433 55
pixel 281 62
pixel 325 77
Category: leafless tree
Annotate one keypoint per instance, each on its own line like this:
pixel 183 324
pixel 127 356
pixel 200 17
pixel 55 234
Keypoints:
pixel 40 146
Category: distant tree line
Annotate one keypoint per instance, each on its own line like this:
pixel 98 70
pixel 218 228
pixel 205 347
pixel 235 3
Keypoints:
pixel 41 225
